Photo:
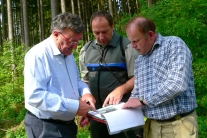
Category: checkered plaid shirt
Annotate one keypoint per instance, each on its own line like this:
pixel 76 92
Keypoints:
pixel 164 78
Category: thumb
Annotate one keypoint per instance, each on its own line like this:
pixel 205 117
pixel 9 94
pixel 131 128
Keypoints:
pixel 124 106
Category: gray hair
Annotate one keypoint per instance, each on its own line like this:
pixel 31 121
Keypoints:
pixel 67 20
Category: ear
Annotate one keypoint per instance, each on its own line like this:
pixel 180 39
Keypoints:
pixel 112 27
pixel 151 35
pixel 55 34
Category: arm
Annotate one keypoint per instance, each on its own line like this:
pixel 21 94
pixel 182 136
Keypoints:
pixel 116 95
pixel 178 73
pixel 133 101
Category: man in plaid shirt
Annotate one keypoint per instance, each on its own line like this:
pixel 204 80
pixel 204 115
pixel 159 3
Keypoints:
pixel 164 84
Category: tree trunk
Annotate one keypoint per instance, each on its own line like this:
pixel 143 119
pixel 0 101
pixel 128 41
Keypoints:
pixel 87 38
pixel 123 4
pixel 102 3
pixel 22 23
pixel 72 6
pixel 63 6
pixel 137 6
pixel 115 7
pixel 4 34
pixel 150 3
pixel 110 7
pixel 26 26
pixel 79 8
pixel 128 4
pixel 10 24
pixel 54 7
pixel 40 20
pixel 99 6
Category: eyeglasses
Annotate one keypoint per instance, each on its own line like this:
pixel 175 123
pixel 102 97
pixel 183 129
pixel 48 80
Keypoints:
pixel 67 40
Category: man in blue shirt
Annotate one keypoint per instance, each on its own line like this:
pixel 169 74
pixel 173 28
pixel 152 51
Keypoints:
pixel 164 84
pixel 52 86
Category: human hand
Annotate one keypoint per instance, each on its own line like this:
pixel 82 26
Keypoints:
pixel 132 103
pixel 84 108
pixel 89 99
pixel 83 121
pixel 115 96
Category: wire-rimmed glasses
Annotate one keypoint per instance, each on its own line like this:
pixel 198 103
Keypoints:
pixel 67 40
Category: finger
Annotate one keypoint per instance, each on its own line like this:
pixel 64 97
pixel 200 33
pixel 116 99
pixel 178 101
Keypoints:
pixel 93 105
pixel 106 101
pixel 92 108
pixel 92 102
pixel 111 100
pixel 116 100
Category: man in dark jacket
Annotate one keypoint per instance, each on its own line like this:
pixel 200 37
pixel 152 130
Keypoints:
pixel 107 66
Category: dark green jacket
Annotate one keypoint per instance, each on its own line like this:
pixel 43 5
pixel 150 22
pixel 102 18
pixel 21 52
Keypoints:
pixel 105 68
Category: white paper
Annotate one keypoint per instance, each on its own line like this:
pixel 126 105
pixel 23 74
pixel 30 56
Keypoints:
pixel 122 119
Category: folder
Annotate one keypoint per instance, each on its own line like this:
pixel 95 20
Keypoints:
pixel 118 119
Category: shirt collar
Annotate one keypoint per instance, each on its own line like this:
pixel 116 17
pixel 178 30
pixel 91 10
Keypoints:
pixel 159 39
pixel 157 43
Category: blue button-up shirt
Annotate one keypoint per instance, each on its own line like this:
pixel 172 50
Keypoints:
pixel 52 86
pixel 164 78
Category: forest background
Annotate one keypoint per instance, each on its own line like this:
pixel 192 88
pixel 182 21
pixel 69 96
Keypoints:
pixel 24 23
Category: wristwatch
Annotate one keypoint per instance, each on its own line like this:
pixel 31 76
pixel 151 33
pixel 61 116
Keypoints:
pixel 141 100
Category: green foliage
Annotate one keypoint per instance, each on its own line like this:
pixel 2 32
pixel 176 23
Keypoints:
pixel 202 126
pixel 11 87
pixel 120 26
pixel 83 132
pixel 16 132
pixel 200 75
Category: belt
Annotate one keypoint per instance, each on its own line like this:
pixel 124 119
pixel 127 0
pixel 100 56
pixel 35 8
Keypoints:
pixel 176 117
pixel 52 120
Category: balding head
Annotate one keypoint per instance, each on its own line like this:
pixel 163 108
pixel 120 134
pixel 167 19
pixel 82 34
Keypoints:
pixel 141 32
pixel 144 25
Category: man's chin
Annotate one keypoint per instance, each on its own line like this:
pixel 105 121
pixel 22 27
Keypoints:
pixel 102 43
pixel 68 53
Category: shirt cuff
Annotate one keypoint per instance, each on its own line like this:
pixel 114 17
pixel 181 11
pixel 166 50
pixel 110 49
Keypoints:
pixel 73 106
pixel 86 90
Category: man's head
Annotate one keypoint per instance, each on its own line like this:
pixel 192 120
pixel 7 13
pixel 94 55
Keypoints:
pixel 67 29
pixel 141 32
pixel 102 26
